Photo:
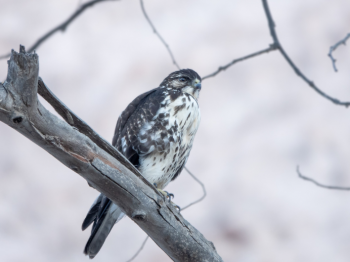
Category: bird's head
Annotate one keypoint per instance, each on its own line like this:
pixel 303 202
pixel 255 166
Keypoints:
pixel 186 80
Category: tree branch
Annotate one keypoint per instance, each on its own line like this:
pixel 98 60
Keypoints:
pixel 193 203
pixel 159 36
pixel 274 46
pixel 203 188
pixel 222 68
pixel 80 125
pixel 319 184
pixel 290 62
pixel 62 27
pixel 79 148
pixel 139 250
pixel 335 46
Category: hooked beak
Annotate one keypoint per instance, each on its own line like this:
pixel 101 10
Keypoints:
pixel 197 84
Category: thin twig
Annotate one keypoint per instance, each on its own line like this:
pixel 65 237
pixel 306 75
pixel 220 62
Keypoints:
pixel 159 36
pixel 319 184
pixel 138 251
pixel 203 188
pixel 290 62
pixel 193 203
pixel 333 47
pixel 62 27
pixel 222 68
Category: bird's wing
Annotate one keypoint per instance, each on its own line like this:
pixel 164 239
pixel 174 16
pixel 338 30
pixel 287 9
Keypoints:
pixel 136 116
pixel 103 212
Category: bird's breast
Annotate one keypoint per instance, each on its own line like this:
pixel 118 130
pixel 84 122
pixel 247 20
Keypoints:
pixel 172 132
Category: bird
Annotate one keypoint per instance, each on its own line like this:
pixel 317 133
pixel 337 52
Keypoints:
pixel 155 133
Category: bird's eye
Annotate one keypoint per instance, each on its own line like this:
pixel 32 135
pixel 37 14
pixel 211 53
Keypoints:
pixel 182 79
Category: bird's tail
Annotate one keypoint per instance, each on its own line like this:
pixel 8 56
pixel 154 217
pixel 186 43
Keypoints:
pixel 103 214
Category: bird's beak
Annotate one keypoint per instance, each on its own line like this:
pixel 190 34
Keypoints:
pixel 197 84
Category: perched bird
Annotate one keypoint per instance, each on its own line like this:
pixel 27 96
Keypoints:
pixel 155 132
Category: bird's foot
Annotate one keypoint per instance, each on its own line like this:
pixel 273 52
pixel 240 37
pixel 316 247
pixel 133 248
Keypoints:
pixel 176 206
pixel 168 196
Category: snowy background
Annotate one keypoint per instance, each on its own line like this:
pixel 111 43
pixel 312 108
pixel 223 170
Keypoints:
pixel 259 120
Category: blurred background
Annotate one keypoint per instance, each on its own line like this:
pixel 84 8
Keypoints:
pixel 259 121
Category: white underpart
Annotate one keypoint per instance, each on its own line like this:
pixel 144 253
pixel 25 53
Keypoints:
pixel 159 172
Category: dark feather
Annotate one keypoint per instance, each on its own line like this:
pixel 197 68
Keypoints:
pixel 140 111
pixel 125 115
pixel 92 214
pixel 109 216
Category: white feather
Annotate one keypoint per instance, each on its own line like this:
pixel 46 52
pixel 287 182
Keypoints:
pixel 151 167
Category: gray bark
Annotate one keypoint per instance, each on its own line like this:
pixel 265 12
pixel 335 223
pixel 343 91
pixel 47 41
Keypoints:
pixel 82 150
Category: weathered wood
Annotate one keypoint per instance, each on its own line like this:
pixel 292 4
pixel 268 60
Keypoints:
pixel 81 149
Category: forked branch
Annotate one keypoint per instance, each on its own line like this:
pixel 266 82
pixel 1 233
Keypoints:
pixel 276 45
pixel 335 46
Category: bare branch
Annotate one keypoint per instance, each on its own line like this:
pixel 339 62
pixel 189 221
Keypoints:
pixel 193 203
pixel 333 47
pixel 140 249
pixel 319 184
pixel 290 62
pixel 222 68
pixel 70 143
pixel 62 27
pixel 80 125
pixel 159 36
pixel 277 45
pixel 203 188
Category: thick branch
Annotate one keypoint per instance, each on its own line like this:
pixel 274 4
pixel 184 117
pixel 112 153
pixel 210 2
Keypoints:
pixel 182 209
pixel 84 128
pixel 79 148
